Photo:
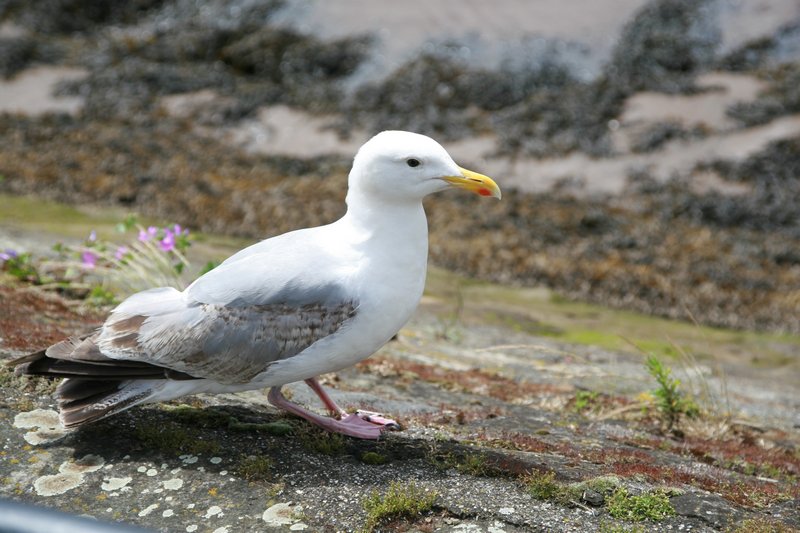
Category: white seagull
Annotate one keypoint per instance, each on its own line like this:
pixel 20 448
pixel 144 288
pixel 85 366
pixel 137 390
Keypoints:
pixel 286 309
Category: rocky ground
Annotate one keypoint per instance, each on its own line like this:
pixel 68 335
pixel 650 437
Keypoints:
pixel 655 184
pixel 649 160
pixel 504 430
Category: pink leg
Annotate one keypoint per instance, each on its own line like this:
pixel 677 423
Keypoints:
pixel 370 416
pixel 351 425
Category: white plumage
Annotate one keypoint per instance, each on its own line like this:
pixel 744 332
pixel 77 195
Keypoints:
pixel 285 309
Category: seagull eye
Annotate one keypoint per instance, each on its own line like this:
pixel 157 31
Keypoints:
pixel 412 162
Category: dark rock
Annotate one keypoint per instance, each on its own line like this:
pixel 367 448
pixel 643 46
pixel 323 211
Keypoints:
pixel 708 508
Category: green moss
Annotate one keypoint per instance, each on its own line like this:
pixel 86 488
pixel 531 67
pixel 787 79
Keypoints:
pixel 320 441
pixel 373 458
pixel 543 486
pixel 584 400
pixel 401 500
pixel 652 505
pixel 212 418
pixel 169 438
pixel 254 467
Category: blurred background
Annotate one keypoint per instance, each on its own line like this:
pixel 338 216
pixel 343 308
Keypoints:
pixel 629 312
pixel 650 149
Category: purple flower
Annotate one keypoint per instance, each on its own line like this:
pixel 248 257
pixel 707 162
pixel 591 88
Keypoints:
pixel 89 259
pixel 120 253
pixel 168 242
pixel 8 254
pixel 149 233
pixel 93 236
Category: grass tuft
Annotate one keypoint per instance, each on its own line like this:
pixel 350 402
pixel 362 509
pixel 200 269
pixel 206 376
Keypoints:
pixel 652 505
pixel 254 467
pixel 671 401
pixel 401 500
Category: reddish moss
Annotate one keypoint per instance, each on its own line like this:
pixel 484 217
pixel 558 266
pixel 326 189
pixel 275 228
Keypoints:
pixel 31 319
pixel 474 380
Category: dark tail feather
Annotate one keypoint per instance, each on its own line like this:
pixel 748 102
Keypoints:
pixel 96 386
pixel 59 362
pixel 81 401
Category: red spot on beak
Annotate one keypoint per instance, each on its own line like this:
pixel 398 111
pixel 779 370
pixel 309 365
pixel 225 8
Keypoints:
pixel 484 192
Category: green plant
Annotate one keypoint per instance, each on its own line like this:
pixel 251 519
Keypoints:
pixel 374 458
pixel 543 486
pixel 401 500
pixel 584 399
pixel 652 505
pixel 254 467
pixel 20 266
pixel 670 400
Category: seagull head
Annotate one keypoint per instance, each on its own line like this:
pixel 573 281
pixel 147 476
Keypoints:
pixel 399 166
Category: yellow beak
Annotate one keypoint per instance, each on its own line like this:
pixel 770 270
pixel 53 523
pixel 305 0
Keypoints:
pixel 477 183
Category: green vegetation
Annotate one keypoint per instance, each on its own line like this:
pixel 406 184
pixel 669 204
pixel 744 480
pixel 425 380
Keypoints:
pixel 652 505
pixel 254 467
pixel 170 438
pixel 670 400
pixel 401 500
pixel 20 266
pixel 214 418
pixel 373 458
pixel 585 400
pixel 318 440
pixel 543 486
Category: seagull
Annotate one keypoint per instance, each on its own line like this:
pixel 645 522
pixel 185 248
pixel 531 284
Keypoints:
pixel 283 310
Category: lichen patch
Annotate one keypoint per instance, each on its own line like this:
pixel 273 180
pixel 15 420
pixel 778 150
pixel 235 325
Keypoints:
pixel 57 484
pixel 214 510
pixel 69 477
pixel 48 427
pixel 280 514
pixel 84 465
pixel 173 484
pixel 115 483
pixel 149 509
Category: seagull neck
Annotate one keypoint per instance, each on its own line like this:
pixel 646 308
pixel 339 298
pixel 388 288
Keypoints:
pixel 377 218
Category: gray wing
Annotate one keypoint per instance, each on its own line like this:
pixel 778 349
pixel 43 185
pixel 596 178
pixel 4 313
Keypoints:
pixel 226 343
pixel 267 303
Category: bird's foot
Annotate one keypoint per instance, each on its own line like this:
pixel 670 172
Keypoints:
pixel 378 419
pixel 353 425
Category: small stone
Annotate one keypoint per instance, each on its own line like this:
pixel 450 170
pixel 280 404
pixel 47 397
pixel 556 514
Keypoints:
pixel 167 513
pixel 152 472
pixel 593 498
pixel 507 510
pixel 298 527
pixel 215 460
pixel 191 527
